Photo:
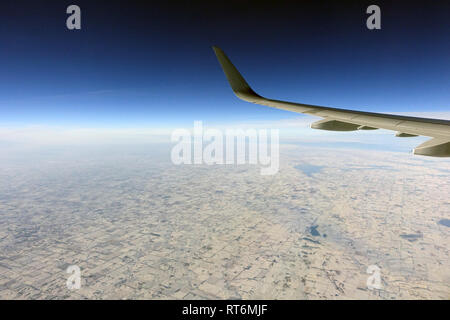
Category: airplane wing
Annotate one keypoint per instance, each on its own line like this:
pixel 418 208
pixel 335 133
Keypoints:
pixel 349 120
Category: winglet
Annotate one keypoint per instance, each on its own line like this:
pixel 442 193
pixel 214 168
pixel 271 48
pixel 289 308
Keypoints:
pixel 236 80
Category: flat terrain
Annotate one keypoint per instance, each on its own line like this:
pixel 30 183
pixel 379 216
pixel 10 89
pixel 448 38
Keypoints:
pixel 140 227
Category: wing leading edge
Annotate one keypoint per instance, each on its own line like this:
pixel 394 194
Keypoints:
pixel 349 120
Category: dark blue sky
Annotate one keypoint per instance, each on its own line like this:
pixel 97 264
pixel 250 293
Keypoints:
pixel 136 64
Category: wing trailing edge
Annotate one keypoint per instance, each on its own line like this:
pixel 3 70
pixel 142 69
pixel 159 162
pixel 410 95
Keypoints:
pixel 336 119
pixel 435 148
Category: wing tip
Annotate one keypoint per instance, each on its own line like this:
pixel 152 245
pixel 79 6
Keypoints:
pixel 237 82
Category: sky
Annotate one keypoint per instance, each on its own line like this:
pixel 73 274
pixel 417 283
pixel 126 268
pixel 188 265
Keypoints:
pixel 136 65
